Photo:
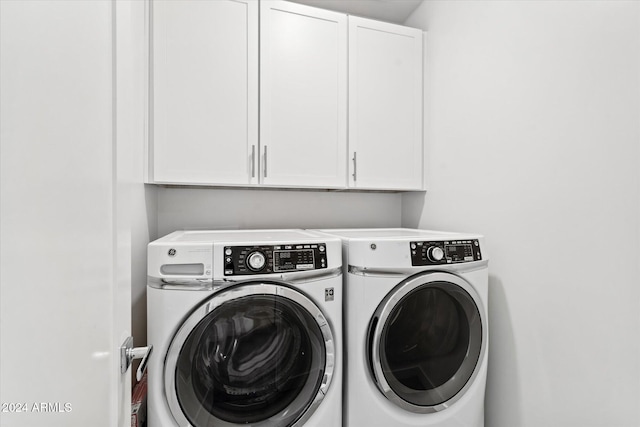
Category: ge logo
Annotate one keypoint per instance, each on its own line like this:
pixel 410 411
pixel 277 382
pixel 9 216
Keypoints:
pixel 172 252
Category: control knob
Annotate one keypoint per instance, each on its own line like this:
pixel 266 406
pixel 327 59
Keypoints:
pixel 435 254
pixel 256 261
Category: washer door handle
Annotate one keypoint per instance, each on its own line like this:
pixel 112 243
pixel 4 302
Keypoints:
pixel 128 354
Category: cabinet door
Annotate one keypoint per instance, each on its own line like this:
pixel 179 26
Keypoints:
pixel 385 106
pixel 303 96
pixel 204 92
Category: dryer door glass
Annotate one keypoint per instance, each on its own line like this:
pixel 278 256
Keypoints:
pixel 256 359
pixel 429 345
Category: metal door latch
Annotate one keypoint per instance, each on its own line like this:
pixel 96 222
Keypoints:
pixel 128 354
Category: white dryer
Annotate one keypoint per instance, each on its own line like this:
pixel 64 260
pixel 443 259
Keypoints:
pixel 415 328
pixel 246 328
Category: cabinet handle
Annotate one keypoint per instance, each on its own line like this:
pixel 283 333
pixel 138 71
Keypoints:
pixel 265 161
pixel 253 161
pixel 354 166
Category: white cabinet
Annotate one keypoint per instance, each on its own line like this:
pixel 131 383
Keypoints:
pixel 334 102
pixel 204 93
pixel 303 96
pixel 385 106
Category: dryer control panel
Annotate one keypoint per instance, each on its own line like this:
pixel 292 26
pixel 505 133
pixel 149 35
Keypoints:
pixel 246 260
pixel 444 252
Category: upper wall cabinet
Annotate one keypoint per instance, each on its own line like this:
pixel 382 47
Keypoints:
pixel 303 96
pixel 385 106
pixel 204 100
pixel 335 101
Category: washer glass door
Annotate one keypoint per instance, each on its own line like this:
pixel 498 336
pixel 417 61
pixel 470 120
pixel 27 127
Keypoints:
pixel 426 341
pixel 258 354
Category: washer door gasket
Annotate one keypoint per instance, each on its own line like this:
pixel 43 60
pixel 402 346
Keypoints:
pixel 257 353
pixel 427 341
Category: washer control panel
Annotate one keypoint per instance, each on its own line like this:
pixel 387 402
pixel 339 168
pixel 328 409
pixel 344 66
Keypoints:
pixel 246 260
pixel 444 252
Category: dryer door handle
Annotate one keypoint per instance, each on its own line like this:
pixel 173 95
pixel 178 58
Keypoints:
pixel 128 354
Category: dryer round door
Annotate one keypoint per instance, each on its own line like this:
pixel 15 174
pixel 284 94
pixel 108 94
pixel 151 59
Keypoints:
pixel 257 353
pixel 427 341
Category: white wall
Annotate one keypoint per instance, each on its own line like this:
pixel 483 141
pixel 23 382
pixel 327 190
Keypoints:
pixel 142 204
pixel 202 208
pixel 533 112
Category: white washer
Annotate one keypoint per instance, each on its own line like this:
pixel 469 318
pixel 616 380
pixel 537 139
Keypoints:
pixel 246 328
pixel 415 328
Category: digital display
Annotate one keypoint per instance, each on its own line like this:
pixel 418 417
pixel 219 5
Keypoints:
pixel 293 260
pixel 458 252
